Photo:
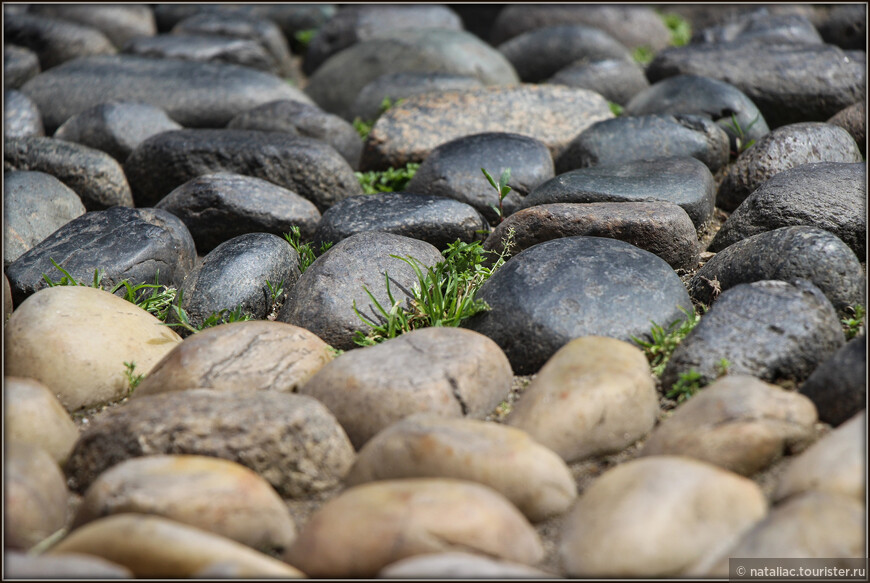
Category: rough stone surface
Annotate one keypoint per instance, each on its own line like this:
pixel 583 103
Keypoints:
pixel 206 49
pixel 576 286
pixel 35 205
pixel 506 459
pixel 456 565
pixel 21 117
pixel 453 169
pixel 308 167
pixel 784 148
pixel 552 114
pixel 618 80
pixel 760 25
pixel 20 64
pixel 20 565
pixel 594 396
pixel 50 337
pixel 838 386
pixel 629 139
pixel 290 440
pixel 217 207
pixel 240 356
pixel 785 254
pixel 119 22
pixel 94 175
pixel 411 517
pixel 684 181
pixel 444 371
pixel 772 330
pixel 738 423
pixel 54 41
pixel 853 119
pixel 33 415
pixel 324 297
pixel 662 228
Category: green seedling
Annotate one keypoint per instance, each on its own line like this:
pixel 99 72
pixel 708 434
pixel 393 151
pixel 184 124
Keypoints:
pixel 681 30
pixel 133 380
pixel 664 341
pixel 643 55
pixel 854 325
pixel 224 316
pixel 304 250
pixel 615 108
pixel 502 189
pixel 304 37
pixel 389 180
pixel 275 291
pixel 364 127
pixel 740 134
pixel 691 381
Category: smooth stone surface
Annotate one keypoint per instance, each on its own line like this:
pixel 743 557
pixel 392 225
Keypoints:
pixel 54 40
pixel 738 423
pixel 436 220
pixel 119 22
pixel 788 82
pixel 274 356
pixel 853 119
pixel 323 299
pixel 237 275
pixel 772 330
pixel 456 565
pixel 156 547
pixel 140 245
pixel 684 181
pixel 50 337
pixel 662 228
pixel 784 148
pixel 696 95
pixel 34 496
pixel 21 117
pixel 410 131
pixel 290 440
pixel 33 415
pixel 594 396
pixel 115 127
pixel 838 386
pixel 628 139
pixel 760 25
pixel 656 516
pixel 336 83
pixel 396 86
pixel 539 53
pixel 618 80
pixel 308 167
pixel 20 64
pixel 218 207
pixel 35 205
pixel 205 49
pixel 450 372
pixel 215 495
pixel 453 169
pixel 506 459
pixel 95 176
pixel 835 464
pixel 304 119
pixel 20 565
pixel 193 94
pixel 576 286
pixel 410 517
pixel 792 197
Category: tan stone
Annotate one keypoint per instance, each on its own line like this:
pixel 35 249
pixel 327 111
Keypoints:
pixel 370 526
pixel 594 396
pixel 739 423
pixel 253 355
pixel 69 566
pixel 458 565
pixel 506 459
pixel 32 414
pixel 75 340
pixel 7 299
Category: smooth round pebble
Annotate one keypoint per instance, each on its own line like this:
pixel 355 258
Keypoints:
pixel 32 414
pixel 838 386
pixel 19 565
pixel 455 565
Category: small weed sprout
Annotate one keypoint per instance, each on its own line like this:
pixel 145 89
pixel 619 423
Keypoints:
pixel 363 127
pixel 133 380
pixel 664 341
pixel 389 180
pixel 740 134
pixel 691 381
pixel 224 316
pixel 615 108
pixel 275 291
pixel 502 189
pixel 854 325
pixel 681 30
pixel 643 55
pixel 304 37
pixel 304 250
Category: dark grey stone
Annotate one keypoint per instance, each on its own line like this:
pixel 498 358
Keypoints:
pixel 684 181
pixel 35 205
pixel 295 117
pixel 629 139
pixel 853 119
pixel 193 94
pixel 20 116
pixel 207 49
pixel 271 432
pixel 838 387
pixel 707 97
pixel 53 40
pixel 701 16
pixel 335 85
pixel 308 167
pixel 396 86
pixel 437 220
pixel 115 127
pixel 357 23
pixel 785 254
pixel 788 82
pixel 142 245
pixel 323 299
pixel 618 80
pixel 662 228
pixel 454 170
pixel 846 27
pixel 119 22
pixel 19 66
pixel 562 289
pixel 235 274
pixel 772 330
pixel 784 148
pixel 762 26
pixel 828 195
pixel 217 207
pixel 94 175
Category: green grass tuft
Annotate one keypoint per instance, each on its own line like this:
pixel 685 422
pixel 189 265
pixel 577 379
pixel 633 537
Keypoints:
pixel 664 341
pixel 390 180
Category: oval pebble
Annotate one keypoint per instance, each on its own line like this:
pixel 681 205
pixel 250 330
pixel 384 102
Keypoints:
pixel 32 414
pixel 838 386
pixel 454 565
pixel 69 565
